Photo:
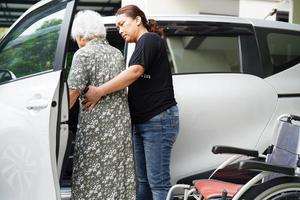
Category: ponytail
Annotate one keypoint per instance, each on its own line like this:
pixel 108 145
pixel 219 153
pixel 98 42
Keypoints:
pixel 153 27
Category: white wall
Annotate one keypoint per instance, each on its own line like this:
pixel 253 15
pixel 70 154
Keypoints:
pixel 261 8
pixel 176 7
pixel 166 7
pixel 142 4
pixel 243 8
pixel 223 7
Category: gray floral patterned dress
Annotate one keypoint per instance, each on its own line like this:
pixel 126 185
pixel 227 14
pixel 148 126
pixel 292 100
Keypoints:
pixel 103 161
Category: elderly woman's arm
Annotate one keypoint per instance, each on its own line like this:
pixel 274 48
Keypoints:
pixel 73 94
pixel 121 81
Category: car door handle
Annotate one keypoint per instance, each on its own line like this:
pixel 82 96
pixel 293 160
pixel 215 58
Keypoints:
pixel 37 104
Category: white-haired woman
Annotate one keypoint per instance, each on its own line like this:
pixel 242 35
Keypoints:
pixel 103 163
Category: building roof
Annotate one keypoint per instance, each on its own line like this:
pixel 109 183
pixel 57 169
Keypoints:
pixel 11 10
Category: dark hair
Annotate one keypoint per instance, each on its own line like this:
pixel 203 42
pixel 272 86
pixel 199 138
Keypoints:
pixel 133 11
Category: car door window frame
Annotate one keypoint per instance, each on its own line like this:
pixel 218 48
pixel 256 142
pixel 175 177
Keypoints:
pixel 224 29
pixel 250 56
pixel 262 34
pixel 43 11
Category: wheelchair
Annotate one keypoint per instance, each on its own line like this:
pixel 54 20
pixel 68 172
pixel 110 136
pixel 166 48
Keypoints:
pixel 277 170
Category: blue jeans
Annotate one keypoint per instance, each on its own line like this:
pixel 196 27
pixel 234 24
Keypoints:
pixel 153 141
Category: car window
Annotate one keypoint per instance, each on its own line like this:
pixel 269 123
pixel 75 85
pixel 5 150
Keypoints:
pixel 284 50
pixel 197 54
pixel 203 47
pixel 31 47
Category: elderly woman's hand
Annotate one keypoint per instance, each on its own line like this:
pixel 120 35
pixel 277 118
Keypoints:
pixel 91 97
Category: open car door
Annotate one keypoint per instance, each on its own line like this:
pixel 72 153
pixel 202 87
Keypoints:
pixel 34 102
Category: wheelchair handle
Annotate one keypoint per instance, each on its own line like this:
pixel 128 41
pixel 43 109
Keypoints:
pixel 295 117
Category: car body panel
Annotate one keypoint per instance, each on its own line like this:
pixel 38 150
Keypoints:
pixel 215 109
pixel 280 83
pixel 34 105
pixel 26 145
pixel 287 86
pixel 285 105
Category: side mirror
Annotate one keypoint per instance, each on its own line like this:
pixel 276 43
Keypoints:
pixel 6 75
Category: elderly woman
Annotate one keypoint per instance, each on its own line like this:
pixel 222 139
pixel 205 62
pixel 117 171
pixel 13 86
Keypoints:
pixel 103 161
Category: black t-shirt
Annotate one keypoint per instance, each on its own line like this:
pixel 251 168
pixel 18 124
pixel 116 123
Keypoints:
pixel 153 92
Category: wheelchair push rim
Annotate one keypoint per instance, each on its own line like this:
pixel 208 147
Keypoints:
pixel 284 191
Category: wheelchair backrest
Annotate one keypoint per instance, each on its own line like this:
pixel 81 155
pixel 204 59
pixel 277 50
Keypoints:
pixel 286 144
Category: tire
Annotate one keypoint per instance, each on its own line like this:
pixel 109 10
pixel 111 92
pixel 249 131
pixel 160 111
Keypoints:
pixel 283 188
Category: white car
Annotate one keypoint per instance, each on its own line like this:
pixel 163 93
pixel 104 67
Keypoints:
pixel 232 78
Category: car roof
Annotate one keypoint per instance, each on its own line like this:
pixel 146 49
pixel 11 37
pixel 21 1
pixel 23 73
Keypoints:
pixel 219 18
pixel 191 18
pixel 274 24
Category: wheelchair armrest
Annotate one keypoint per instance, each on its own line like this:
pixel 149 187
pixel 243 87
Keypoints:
pixel 217 149
pixel 261 166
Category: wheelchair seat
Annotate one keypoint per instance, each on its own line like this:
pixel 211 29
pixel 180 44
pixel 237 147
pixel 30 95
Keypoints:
pixel 214 188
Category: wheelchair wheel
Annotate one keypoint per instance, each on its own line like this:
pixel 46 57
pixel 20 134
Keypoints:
pixel 283 188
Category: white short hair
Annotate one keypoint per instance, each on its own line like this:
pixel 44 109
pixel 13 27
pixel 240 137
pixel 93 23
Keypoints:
pixel 88 24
